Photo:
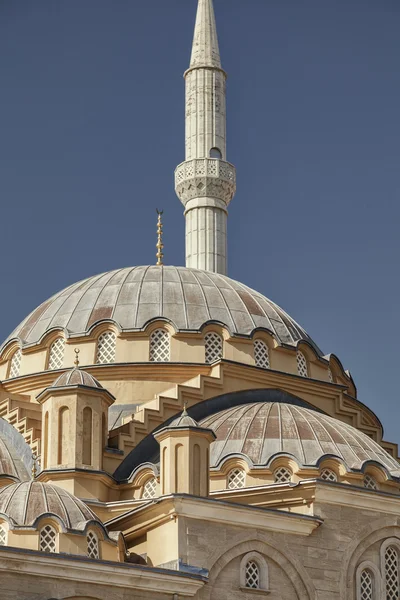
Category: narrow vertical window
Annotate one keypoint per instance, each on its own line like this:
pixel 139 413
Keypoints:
pixel 392 573
pixel 46 440
pixel 366 585
pixel 215 153
pixel 56 354
pixel 92 545
pixel 302 368
pixel 252 575
pixel 87 436
pixel 196 469
pixel 236 479
pixel 47 539
pixel 106 348
pixel 104 431
pixel 261 354
pixel 63 435
pixel 159 346
pixel 3 536
pixel 15 366
pixel 213 347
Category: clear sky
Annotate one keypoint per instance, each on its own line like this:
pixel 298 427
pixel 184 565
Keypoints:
pixel 92 127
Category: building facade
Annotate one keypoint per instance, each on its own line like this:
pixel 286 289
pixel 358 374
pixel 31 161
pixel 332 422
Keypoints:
pixel 169 433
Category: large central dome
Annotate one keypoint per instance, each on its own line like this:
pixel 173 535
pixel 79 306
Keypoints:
pixel 134 296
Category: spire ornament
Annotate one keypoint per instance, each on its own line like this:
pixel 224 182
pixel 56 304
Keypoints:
pixel 159 245
pixel 76 361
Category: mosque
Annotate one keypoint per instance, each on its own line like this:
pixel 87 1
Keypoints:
pixel 168 433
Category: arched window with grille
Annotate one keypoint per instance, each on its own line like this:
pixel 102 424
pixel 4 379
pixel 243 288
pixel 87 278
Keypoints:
pixel 160 346
pixel 15 365
pixel 92 545
pixel 48 539
pixel 56 354
pixel 106 348
pixel 236 479
pixel 282 475
pixel 391 571
pixel 261 354
pixel 328 475
pixel 302 367
pixel 370 482
pixel 150 489
pixel 3 535
pixel 214 347
pixel 254 572
pixel 368 581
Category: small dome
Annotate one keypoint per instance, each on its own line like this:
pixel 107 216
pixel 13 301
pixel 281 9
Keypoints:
pixel 184 420
pixel 134 296
pixel 261 431
pixel 77 377
pixel 11 464
pixel 24 503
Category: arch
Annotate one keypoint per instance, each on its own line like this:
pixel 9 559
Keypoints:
pixel 245 573
pixel 63 435
pixel 294 570
pixel 214 347
pixel 56 354
pixel 87 435
pixel 216 153
pixel 368 582
pixel 179 474
pixel 196 469
pixel 106 348
pixel 390 567
pixel 46 440
pixel 159 350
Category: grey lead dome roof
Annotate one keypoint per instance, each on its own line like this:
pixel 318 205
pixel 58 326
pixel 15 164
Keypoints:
pixel 133 296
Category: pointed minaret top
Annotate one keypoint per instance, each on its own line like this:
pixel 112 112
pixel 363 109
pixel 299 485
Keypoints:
pixel 205 51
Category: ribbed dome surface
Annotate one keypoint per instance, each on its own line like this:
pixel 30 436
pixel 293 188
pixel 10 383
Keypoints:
pixel 263 430
pixel 132 297
pixel 77 377
pixel 10 463
pixel 25 502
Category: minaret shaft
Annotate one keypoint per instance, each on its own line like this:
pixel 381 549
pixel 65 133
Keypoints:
pixel 205 183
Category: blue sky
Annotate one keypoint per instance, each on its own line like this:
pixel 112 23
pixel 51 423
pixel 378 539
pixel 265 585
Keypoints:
pixel 92 127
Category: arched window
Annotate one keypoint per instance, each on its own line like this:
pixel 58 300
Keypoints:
pixel 366 589
pixel 47 539
pixel 282 475
pixel 106 346
pixel 391 558
pixel 236 479
pixel 56 354
pixel 150 489
pixel 370 482
pixel 252 575
pixel 213 347
pixel 302 368
pixel 3 535
pixel 15 365
pixel 216 153
pixel 92 545
pixel 87 436
pixel 328 475
pixel 63 435
pixel 261 354
pixel 159 346
pixel 254 572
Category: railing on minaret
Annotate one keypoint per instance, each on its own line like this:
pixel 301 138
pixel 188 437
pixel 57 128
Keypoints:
pixel 205 183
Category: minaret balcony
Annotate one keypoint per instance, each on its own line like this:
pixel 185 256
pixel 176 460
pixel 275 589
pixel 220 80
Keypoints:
pixel 205 178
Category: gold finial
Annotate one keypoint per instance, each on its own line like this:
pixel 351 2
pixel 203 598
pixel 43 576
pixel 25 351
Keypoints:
pixel 184 414
pixel 34 466
pixel 159 244
pixel 76 363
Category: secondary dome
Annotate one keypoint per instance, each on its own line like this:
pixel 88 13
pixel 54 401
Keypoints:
pixel 134 296
pixel 77 377
pixel 24 503
pixel 261 431
pixel 11 464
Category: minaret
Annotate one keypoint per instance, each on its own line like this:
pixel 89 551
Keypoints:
pixel 205 183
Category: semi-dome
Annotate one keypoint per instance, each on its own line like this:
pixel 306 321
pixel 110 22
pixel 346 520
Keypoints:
pixel 261 431
pixel 24 503
pixel 132 297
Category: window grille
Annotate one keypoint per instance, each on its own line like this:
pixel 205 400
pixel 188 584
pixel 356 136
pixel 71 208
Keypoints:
pixel 302 364
pixel 236 479
pixel 150 489
pixel 366 585
pixel 159 346
pixel 261 354
pixel 328 475
pixel 47 539
pixel 331 380
pixel 282 475
pixel 106 346
pixel 16 363
pixel 56 354
pixel 92 545
pixel 392 573
pixel 213 347
pixel 370 483
pixel 3 536
pixel 252 575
